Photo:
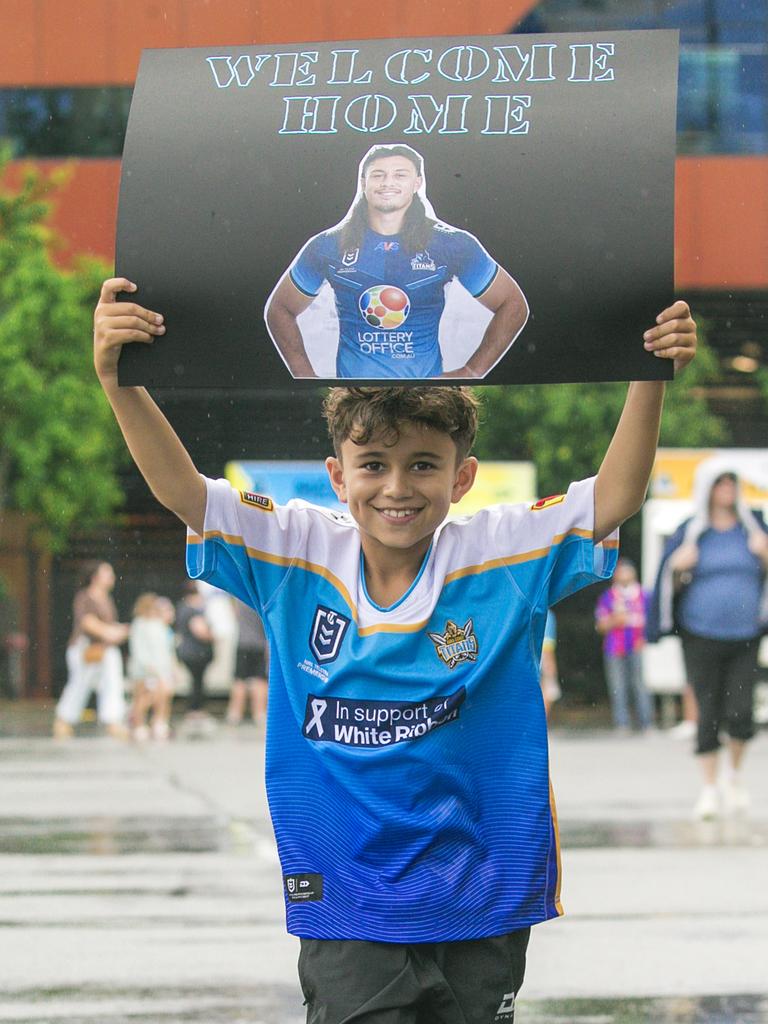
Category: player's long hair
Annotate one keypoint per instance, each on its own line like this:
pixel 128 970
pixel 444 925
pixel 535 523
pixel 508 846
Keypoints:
pixel 417 224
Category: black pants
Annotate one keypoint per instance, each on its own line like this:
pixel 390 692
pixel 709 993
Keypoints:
pixel 472 982
pixel 723 674
pixel 197 667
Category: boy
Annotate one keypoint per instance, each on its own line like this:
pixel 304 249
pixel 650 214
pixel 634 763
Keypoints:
pixel 406 750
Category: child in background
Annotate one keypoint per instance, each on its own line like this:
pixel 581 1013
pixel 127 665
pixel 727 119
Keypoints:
pixel 150 668
pixel 550 685
pixel 250 668
pixel 620 619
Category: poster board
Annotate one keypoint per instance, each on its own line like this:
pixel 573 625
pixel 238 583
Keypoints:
pixel 530 238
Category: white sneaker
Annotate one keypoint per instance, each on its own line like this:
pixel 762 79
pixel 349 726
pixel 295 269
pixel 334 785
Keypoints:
pixel 736 799
pixel 684 730
pixel 160 731
pixel 141 733
pixel 707 806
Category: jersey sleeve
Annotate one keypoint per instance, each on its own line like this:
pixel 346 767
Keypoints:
pixel 473 266
pixel 308 270
pixel 249 543
pixel 573 560
pixel 548 547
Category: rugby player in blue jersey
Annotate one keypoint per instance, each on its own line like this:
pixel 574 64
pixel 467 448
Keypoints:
pixel 406 749
pixel 389 263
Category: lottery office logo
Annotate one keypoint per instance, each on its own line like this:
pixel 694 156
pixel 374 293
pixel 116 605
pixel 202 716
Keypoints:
pixel 377 723
pixel 385 307
pixel 328 630
pixel 457 644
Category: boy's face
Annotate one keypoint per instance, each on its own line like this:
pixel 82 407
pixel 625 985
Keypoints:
pixel 399 494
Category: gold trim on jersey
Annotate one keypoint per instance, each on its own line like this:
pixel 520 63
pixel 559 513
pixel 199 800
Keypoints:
pixel 267 556
pixel 556 828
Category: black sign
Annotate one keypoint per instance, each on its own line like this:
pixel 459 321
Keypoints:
pixel 498 208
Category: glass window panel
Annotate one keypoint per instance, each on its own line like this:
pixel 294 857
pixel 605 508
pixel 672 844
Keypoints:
pixel 65 122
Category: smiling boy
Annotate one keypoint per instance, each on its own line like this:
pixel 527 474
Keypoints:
pixel 406 757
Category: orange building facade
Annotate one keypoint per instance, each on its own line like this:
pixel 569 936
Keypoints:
pixel 722 201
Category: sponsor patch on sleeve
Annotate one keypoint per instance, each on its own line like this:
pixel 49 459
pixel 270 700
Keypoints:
pixel 553 499
pixel 258 500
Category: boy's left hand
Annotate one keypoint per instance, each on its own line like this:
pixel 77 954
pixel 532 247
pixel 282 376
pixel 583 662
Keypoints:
pixel 674 336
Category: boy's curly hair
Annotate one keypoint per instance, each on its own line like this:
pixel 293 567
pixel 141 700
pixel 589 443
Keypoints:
pixel 363 413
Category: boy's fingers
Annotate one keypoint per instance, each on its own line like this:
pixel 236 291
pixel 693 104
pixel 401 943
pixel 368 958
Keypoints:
pixel 682 330
pixel 113 285
pixel 673 352
pixel 120 337
pixel 134 323
pixel 121 309
pixel 678 310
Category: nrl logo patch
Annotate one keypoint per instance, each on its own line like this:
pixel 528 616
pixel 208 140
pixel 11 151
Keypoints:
pixel 349 259
pixel 553 499
pixel 328 631
pixel 257 500
pixel 457 644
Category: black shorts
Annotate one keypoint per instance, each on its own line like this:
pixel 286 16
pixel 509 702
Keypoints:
pixel 470 982
pixel 250 664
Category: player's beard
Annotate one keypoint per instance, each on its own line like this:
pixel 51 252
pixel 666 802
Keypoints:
pixel 393 205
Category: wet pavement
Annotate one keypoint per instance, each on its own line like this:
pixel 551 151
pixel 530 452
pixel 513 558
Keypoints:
pixel 141 884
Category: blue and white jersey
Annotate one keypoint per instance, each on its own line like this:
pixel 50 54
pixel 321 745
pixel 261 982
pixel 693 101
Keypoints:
pixel 406 762
pixel 389 301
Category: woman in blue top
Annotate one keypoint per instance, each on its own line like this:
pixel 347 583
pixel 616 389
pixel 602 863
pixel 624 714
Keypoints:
pixel 715 569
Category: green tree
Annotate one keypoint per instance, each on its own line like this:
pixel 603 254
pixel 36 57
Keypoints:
pixel 59 446
pixel 565 428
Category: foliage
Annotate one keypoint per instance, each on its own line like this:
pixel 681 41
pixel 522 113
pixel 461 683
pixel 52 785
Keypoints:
pixel 59 446
pixel 565 429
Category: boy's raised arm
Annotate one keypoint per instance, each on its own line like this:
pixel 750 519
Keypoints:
pixel 622 480
pixel 161 457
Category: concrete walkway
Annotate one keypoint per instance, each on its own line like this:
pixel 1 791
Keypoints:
pixel 141 884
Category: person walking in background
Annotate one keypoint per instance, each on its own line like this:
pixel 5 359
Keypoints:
pixel 620 616
pixel 712 589
pixel 250 668
pixel 222 622
pixel 94 661
pixel 550 684
pixel 194 650
pixel 151 669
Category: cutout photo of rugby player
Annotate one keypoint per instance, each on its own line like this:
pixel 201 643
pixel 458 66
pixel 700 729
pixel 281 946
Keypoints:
pixel 365 299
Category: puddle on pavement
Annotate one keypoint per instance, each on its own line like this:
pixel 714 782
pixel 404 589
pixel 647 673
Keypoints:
pixel 109 836
pixel 741 1009
pixel 276 1004
pixel 663 834
pixel 114 836
pixel 282 1005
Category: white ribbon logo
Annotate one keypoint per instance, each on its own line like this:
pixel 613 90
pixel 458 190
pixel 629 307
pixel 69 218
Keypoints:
pixel 318 707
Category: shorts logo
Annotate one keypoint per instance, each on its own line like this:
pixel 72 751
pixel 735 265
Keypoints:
pixel 423 261
pixel 457 644
pixel 506 1010
pixel 328 631
pixel 553 499
pixel 349 259
pixel 257 500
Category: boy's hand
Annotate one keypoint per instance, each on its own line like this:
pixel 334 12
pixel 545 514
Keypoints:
pixel 115 323
pixel 674 337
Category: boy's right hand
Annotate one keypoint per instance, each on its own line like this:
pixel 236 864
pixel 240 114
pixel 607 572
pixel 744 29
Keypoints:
pixel 116 323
